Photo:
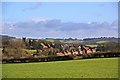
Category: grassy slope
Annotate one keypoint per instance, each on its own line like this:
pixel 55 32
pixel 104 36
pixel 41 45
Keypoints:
pixel 31 51
pixel 92 45
pixel 100 42
pixel 92 68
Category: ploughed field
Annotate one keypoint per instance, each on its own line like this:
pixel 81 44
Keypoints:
pixel 85 68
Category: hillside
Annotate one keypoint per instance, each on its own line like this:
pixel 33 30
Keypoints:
pixel 85 41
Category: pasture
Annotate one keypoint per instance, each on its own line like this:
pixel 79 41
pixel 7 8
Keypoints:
pixel 85 68
pixel 101 42
pixel 30 51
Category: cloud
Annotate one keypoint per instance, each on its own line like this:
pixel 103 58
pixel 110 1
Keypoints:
pixel 53 23
pixel 114 24
pixel 38 19
pixel 37 5
pixel 57 28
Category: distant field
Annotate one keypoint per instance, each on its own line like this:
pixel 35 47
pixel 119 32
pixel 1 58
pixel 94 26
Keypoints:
pixel 31 51
pixel 71 41
pixel 1 49
pixel 50 40
pixel 87 68
pixel 102 42
pixel 92 45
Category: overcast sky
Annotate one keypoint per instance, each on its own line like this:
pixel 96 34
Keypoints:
pixel 60 19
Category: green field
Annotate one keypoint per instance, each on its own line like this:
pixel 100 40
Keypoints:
pixel 31 51
pixel 92 45
pixel 87 68
pixel 100 42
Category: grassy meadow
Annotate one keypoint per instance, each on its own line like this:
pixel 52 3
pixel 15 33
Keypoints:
pixel 86 68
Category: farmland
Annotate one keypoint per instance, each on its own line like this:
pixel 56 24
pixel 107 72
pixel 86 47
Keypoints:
pixel 86 68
